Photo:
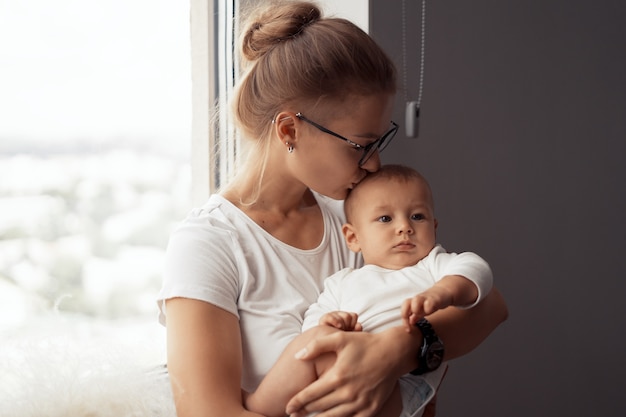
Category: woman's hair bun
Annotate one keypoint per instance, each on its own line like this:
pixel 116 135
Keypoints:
pixel 280 22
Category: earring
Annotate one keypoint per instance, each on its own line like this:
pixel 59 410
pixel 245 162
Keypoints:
pixel 290 148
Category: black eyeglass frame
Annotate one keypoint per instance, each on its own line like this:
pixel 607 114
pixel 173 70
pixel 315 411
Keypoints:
pixel 368 150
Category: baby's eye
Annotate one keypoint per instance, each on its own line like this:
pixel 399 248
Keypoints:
pixel 384 219
pixel 417 216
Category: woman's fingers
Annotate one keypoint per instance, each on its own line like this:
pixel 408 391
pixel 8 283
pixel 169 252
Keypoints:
pixel 316 347
pixel 315 397
pixel 355 385
pixel 340 402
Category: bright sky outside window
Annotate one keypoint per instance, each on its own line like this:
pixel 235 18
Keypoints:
pixel 94 154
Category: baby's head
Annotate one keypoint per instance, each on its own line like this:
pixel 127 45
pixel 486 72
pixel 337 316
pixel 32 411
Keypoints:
pixel 390 218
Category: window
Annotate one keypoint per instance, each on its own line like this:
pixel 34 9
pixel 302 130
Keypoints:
pixel 100 152
pixel 214 70
pixel 94 156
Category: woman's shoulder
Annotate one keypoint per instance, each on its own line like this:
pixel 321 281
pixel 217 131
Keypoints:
pixel 211 225
pixel 211 217
pixel 217 214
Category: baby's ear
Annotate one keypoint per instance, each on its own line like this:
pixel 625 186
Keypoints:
pixel 349 234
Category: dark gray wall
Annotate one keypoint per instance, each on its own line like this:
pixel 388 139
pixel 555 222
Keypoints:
pixel 523 137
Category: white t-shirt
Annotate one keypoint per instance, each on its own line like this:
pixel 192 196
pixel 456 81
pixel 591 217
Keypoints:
pixel 219 255
pixel 376 293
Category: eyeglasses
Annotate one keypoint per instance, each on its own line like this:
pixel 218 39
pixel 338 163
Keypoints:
pixel 368 150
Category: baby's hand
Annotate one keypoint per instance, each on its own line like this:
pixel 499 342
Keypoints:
pixel 423 304
pixel 342 320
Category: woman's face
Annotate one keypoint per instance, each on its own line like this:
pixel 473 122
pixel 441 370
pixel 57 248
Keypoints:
pixel 329 165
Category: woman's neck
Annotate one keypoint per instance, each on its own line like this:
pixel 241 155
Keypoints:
pixel 280 204
pixel 270 188
pixel 250 194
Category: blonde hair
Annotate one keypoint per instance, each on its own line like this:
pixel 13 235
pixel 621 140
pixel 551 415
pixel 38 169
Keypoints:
pixel 293 56
pixel 290 54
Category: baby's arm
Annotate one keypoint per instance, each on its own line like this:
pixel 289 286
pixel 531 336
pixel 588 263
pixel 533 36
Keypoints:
pixel 466 279
pixel 451 290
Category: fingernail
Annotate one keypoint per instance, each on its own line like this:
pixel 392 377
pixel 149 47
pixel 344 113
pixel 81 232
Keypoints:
pixel 301 353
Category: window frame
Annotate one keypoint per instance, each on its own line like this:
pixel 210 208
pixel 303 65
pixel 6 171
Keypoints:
pixel 214 69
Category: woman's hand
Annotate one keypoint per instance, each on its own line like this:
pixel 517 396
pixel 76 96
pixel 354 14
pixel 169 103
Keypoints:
pixel 368 365
pixel 363 376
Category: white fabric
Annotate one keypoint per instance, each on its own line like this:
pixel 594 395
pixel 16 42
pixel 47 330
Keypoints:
pixel 376 294
pixel 219 255
pixel 417 391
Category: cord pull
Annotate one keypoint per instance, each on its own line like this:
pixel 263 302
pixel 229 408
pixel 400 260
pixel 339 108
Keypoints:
pixel 412 119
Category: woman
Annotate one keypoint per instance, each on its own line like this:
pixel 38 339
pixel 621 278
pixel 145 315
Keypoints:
pixel 242 269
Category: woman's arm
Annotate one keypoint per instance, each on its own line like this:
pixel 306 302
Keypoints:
pixel 204 359
pixel 367 364
pixel 463 330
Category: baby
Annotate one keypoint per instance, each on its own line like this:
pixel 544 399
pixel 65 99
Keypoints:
pixel 390 220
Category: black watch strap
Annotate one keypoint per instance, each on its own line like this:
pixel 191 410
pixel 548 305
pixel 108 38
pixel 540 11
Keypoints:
pixel 431 351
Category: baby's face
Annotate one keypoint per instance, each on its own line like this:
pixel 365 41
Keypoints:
pixel 393 223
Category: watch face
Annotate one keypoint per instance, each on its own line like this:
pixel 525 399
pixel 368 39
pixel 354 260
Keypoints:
pixel 434 356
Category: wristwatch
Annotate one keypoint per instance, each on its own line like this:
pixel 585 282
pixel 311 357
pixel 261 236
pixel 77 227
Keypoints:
pixel 431 352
